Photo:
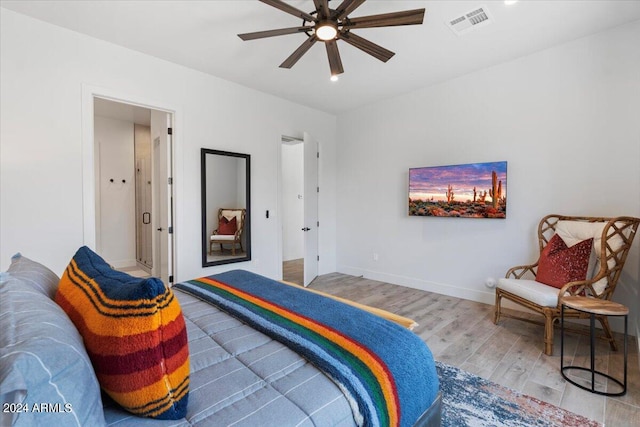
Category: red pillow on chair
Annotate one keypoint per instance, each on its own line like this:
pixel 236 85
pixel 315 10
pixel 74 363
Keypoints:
pixel 559 264
pixel 226 226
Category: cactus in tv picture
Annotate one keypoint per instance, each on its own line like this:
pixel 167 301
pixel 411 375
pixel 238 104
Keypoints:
pixel 482 197
pixel 449 194
pixel 474 194
pixel 495 192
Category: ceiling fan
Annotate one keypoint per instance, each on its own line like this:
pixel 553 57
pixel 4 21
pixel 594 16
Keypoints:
pixel 330 25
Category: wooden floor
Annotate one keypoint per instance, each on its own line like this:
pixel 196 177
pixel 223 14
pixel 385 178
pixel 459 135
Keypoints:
pixel 461 333
pixel 292 271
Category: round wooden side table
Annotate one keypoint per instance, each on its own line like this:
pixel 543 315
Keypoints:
pixel 593 307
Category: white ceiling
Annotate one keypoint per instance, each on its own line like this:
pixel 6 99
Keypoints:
pixel 203 35
pixel 120 111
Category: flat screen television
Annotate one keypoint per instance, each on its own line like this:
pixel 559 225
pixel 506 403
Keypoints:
pixel 473 190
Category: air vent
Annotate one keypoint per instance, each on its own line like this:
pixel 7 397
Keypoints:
pixel 478 17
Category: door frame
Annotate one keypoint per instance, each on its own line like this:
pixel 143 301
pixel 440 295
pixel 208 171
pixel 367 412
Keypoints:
pixel 280 205
pixel 89 202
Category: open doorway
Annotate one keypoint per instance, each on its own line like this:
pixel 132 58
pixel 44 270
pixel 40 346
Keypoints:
pixel 292 162
pixel 299 207
pixel 133 203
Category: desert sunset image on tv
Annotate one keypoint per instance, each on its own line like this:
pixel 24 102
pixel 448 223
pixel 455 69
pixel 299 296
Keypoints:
pixel 474 190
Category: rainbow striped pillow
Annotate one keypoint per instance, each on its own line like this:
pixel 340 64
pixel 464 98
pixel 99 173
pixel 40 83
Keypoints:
pixel 134 333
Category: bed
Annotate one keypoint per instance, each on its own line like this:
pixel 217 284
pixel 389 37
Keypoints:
pixel 244 370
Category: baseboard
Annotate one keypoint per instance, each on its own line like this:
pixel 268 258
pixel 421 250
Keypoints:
pixel 487 297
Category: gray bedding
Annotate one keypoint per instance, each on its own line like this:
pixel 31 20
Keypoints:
pixel 242 377
pixel 238 375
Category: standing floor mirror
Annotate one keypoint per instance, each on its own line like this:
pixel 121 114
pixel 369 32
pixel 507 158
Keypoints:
pixel 226 213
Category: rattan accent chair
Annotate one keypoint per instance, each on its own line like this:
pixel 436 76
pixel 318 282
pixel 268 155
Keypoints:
pixel 232 239
pixel 612 239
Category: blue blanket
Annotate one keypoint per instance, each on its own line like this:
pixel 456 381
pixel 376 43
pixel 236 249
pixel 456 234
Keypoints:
pixel 386 370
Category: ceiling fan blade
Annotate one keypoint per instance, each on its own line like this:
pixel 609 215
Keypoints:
pixel 279 4
pixel 346 8
pixel 272 33
pixel 335 63
pixel 365 45
pixel 295 56
pixel 322 6
pixel 407 17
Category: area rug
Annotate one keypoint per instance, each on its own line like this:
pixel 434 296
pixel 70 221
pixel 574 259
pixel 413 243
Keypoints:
pixel 469 400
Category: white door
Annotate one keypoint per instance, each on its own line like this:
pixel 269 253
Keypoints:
pixel 310 198
pixel 162 200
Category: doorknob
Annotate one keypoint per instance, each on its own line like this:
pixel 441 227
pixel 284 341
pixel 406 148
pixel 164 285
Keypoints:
pixel 306 229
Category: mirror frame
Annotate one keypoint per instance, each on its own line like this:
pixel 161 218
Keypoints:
pixel 247 221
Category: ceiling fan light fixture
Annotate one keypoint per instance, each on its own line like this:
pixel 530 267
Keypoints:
pixel 333 25
pixel 326 31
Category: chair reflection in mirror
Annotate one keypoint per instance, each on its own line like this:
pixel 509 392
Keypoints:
pixel 229 232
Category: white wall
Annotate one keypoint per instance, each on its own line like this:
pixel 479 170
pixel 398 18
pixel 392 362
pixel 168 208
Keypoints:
pixel 292 205
pixel 566 119
pixel 43 71
pixel 117 228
